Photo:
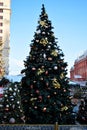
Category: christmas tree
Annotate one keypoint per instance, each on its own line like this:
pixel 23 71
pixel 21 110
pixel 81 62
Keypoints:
pixel 12 107
pixel 3 83
pixel 45 95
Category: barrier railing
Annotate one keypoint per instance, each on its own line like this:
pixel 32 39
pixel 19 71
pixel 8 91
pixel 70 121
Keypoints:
pixel 42 127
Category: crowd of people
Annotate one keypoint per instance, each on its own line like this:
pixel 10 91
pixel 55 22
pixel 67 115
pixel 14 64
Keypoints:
pixel 80 111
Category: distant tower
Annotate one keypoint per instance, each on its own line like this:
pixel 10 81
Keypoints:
pixel 5 13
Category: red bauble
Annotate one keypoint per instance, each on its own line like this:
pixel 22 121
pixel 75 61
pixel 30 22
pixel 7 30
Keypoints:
pixel 47 84
pixel 35 107
pixel 37 91
pixel 31 86
pixel 64 90
pixel 46 72
pixel 44 109
pixel 6 109
pixel 33 68
pixel 41 78
pixel 42 67
pixel 48 96
pixel 40 97
pixel 49 58
pixel 49 88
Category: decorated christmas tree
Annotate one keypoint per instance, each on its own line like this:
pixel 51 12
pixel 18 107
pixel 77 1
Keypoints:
pixel 3 83
pixel 12 107
pixel 45 94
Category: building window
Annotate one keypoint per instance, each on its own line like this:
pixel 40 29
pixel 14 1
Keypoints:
pixel 1 3
pixel 1 24
pixel 1 31
pixel 1 10
pixel 1 17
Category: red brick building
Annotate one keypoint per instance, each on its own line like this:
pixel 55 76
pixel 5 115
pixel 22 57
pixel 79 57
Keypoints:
pixel 79 71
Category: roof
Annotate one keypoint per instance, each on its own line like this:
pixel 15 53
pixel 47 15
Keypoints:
pixel 84 55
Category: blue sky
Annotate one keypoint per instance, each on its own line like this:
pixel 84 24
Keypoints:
pixel 68 17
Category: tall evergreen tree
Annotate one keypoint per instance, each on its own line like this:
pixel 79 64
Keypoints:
pixel 45 94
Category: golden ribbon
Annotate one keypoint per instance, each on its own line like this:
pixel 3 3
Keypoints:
pixel 54 53
pixel 43 41
pixel 62 76
pixel 32 99
pixel 55 83
pixel 40 71
pixel 65 108
pixel 43 23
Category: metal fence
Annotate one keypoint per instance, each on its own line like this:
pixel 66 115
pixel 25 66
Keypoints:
pixel 42 127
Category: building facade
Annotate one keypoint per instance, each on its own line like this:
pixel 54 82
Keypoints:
pixel 5 13
pixel 79 71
